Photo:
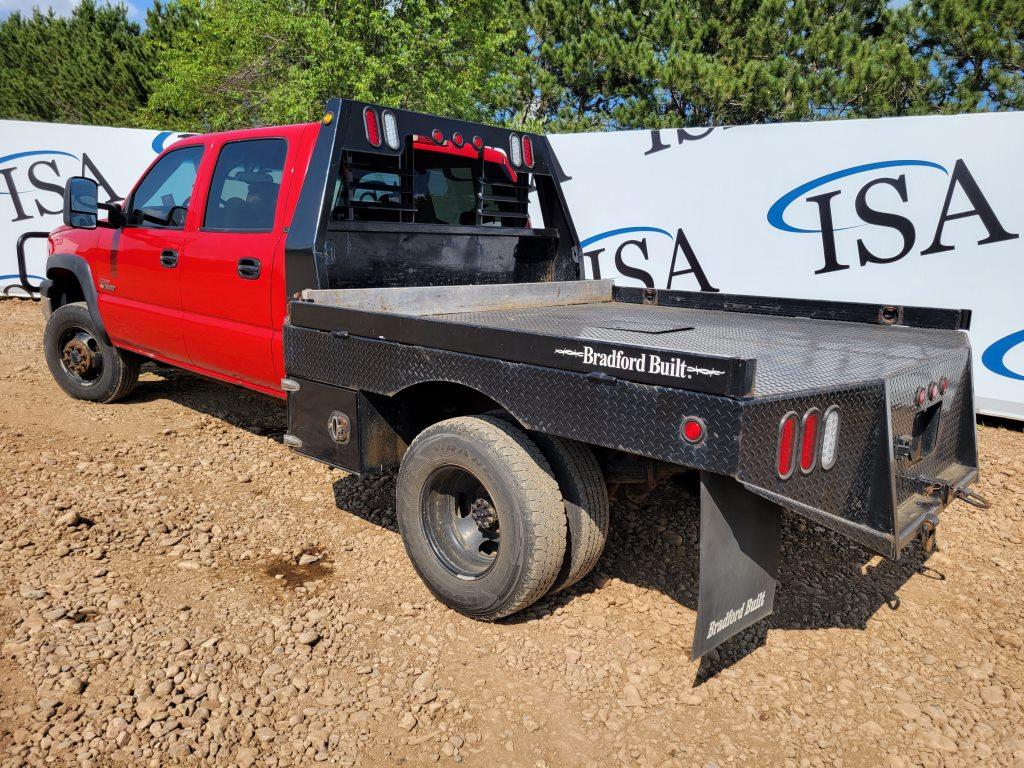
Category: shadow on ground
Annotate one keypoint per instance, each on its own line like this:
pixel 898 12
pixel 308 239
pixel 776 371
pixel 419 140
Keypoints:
pixel 825 581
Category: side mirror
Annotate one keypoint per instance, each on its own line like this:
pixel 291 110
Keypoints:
pixel 81 204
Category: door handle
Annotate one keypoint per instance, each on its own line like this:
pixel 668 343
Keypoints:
pixel 249 269
pixel 169 258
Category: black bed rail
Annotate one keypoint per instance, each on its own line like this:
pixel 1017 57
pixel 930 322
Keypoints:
pixel 873 314
pixel 22 268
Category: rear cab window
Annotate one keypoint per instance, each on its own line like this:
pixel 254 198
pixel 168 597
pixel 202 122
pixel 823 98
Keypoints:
pixel 431 184
pixel 245 186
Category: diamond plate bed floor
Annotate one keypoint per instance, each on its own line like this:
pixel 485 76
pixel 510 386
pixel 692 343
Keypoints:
pixel 792 353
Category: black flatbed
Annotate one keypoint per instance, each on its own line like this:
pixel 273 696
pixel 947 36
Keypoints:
pixel 726 351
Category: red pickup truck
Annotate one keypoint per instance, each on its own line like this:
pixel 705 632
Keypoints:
pixel 191 269
pixel 412 285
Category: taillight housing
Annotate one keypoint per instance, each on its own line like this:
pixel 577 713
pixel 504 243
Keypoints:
pixel 391 130
pixel 528 151
pixel 457 139
pixel 437 136
pixel 785 459
pixel 372 126
pixel 515 151
pixel 809 432
pixel 830 437
pixel 478 143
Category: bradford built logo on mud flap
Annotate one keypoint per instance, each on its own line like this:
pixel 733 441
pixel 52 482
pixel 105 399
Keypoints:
pixel 643 362
pixel 737 613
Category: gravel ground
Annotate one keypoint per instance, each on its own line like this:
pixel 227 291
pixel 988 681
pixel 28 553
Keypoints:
pixel 182 589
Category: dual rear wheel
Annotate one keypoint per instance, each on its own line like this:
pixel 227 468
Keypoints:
pixel 494 518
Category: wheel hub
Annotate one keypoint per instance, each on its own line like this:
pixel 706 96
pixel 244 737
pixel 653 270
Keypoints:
pixel 80 356
pixel 461 523
pixel 483 514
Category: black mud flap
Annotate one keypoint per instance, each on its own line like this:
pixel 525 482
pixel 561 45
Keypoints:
pixel 740 539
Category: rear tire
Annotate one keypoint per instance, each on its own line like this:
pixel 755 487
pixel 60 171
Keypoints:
pixel 82 365
pixel 481 516
pixel 583 488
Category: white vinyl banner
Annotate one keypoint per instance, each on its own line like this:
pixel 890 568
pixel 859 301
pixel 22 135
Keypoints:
pixel 37 159
pixel 922 211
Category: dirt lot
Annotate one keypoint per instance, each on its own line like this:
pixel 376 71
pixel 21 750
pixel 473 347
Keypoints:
pixel 156 612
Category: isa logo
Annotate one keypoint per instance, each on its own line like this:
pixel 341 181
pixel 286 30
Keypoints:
pixel 892 209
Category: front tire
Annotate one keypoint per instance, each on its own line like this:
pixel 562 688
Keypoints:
pixel 82 365
pixel 481 516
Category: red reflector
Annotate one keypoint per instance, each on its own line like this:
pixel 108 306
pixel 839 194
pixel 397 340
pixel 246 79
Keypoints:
pixel 527 151
pixel 693 429
pixel 437 136
pixel 786 460
pixel 809 440
pixel 457 139
pixel 372 126
pixel 478 143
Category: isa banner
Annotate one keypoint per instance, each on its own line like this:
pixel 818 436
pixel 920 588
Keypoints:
pixel 913 210
pixel 37 159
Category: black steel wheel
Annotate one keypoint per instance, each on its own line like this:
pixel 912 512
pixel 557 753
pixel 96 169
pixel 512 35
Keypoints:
pixel 82 364
pixel 481 516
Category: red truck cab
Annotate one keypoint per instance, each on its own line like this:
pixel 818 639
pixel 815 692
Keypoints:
pixel 190 271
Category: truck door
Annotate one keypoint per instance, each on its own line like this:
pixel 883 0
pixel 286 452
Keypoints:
pixel 141 301
pixel 226 300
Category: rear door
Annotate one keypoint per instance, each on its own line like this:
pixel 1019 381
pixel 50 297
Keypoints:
pixel 226 301
pixel 141 301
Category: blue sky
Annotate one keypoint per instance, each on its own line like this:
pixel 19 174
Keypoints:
pixel 136 8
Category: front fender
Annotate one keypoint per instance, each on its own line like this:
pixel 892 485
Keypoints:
pixel 79 267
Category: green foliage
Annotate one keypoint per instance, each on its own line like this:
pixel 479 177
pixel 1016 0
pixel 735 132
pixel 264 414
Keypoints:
pixel 543 64
pixel 91 67
pixel 976 49
pixel 249 62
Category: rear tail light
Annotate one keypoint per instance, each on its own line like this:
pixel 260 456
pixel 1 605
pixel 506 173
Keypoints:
pixel 515 152
pixel 478 143
pixel 830 438
pixel 528 151
pixel 809 440
pixel 437 136
pixel 391 130
pixel 371 126
pixel 457 139
pixel 785 461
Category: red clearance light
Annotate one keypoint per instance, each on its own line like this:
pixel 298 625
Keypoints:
pixel 478 143
pixel 437 136
pixel 921 396
pixel 457 139
pixel 943 385
pixel 809 440
pixel 933 391
pixel 528 151
pixel 785 461
pixel 692 429
pixel 372 126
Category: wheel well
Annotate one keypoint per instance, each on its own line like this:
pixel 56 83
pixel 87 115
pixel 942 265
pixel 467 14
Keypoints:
pixel 66 288
pixel 429 402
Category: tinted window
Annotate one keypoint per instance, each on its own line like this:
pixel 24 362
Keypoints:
pixel 441 188
pixel 245 185
pixel 168 185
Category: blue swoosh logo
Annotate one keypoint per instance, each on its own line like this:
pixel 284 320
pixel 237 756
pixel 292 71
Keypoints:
pixel 622 231
pixel 30 153
pixel 776 214
pixel 158 141
pixel 994 358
